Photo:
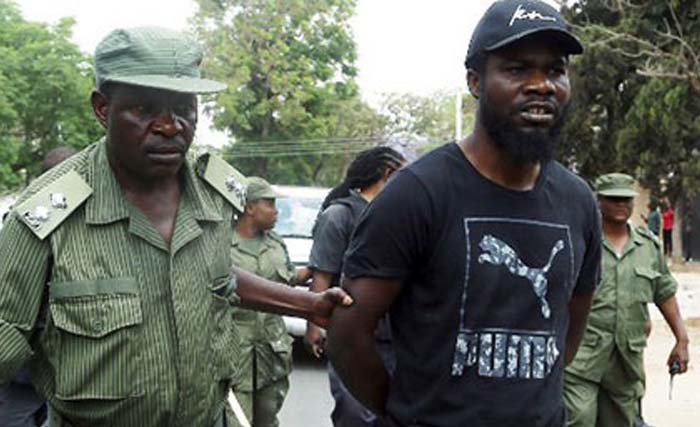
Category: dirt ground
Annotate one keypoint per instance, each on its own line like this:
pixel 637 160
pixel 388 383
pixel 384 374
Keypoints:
pixel 684 409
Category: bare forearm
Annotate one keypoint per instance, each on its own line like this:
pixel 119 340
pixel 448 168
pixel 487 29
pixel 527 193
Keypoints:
pixel 321 280
pixel 302 275
pixel 672 314
pixel 262 294
pixel 355 358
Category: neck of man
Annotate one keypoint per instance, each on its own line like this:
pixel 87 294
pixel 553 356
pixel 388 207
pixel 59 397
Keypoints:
pixel 494 164
pixel 247 229
pixel 614 230
pixel 369 193
pixel 145 186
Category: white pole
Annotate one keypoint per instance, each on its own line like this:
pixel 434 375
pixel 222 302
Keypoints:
pixel 237 410
pixel 458 115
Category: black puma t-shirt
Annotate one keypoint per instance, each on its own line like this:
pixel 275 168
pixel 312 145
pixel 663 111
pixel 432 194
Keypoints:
pixel 487 273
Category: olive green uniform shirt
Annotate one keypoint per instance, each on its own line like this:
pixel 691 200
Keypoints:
pixel 619 312
pixel 264 333
pixel 136 333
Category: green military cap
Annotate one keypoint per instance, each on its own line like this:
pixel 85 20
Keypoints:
pixel 258 189
pixel 615 185
pixel 152 57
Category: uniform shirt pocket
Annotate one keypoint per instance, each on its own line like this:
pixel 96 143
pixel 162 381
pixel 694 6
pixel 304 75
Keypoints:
pixel 97 338
pixel 645 278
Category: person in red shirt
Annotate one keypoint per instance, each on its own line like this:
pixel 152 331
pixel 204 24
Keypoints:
pixel 667 216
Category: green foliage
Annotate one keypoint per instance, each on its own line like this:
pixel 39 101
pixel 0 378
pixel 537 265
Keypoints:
pixel 430 119
pixel 635 103
pixel 662 138
pixel 46 84
pixel 290 68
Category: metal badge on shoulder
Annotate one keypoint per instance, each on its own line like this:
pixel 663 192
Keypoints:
pixel 227 181
pixel 46 210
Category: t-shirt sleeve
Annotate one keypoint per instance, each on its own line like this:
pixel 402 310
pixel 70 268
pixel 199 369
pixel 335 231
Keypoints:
pixel 392 232
pixel 589 276
pixel 331 236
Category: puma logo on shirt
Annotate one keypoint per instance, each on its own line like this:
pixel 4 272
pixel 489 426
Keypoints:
pixel 497 252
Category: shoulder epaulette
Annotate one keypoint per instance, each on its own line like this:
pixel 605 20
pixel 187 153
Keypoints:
pixel 645 232
pixel 49 207
pixel 225 179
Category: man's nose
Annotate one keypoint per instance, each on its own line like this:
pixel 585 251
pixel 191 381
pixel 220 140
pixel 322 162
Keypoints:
pixel 168 124
pixel 541 83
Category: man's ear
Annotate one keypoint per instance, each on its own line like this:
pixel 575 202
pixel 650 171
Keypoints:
pixel 387 173
pixel 100 106
pixel 474 83
pixel 249 209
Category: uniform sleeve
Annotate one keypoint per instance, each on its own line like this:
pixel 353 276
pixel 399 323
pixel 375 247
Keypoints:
pixel 665 285
pixel 288 271
pixel 393 232
pixel 331 238
pixel 23 272
pixel 589 276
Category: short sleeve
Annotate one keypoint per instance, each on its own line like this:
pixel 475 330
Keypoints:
pixel 589 275
pixel 331 237
pixel 288 271
pixel 665 285
pixel 392 232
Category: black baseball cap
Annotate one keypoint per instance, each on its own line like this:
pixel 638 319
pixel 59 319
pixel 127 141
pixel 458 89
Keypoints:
pixel 507 21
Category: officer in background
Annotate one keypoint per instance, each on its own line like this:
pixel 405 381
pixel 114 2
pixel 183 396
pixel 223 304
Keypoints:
pixel 606 378
pixel 262 379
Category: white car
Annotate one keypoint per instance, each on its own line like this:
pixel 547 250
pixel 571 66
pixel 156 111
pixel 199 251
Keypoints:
pixel 295 221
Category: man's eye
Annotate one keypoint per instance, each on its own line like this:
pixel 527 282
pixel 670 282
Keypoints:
pixel 145 109
pixel 558 71
pixel 184 110
pixel 515 69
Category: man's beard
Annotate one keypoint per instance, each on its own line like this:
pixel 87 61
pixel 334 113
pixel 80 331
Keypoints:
pixel 536 145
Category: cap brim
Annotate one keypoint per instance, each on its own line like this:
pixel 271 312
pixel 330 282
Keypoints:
pixel 267 195
pixel 183 84
pixel 618 193
pixel 567 40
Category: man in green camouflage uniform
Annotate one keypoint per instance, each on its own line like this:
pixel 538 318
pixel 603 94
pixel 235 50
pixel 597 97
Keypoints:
pixel 262 382
pixel 123 254
pixel 606 378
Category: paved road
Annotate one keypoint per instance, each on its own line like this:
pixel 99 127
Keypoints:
pixel 309 402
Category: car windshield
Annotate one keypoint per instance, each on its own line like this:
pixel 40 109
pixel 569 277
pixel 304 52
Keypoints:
pixel 297 216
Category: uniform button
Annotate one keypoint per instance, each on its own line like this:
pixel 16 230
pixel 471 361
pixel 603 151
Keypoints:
pixel 98 325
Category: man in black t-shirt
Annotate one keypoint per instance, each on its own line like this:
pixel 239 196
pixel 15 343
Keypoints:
pixel 485 252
